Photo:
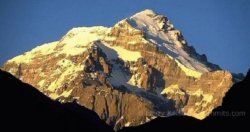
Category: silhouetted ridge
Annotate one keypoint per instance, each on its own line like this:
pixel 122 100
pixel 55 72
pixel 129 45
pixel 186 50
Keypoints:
pixel 25 108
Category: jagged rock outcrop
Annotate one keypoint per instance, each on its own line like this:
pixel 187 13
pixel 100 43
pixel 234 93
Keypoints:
pixel 231 115
pixel 137 70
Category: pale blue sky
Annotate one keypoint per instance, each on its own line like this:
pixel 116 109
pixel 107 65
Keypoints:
pixel 218 28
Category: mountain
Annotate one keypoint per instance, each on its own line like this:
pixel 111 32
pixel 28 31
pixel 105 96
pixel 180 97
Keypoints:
pixel 25 108
pixel 232 115
pixel 135 71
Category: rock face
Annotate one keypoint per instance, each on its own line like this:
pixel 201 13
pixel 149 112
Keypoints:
pixel 232 115
pixel 135 71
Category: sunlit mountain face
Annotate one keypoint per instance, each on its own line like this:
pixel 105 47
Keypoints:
pixel 135 71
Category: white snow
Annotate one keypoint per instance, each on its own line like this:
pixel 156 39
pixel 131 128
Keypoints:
pixel 67 68
pixel 206 97
pixel 110 53
pixel 132 80
pixel 135 80
pixel 53 96
pixel 124 54
pixel 172 89
pixel 198 115
pixel 188 71
pixel 127 55
pixel 84 35
pixel 66 93
pixel 127 124
pixel 44 49
pixel 168 41
pixel 75 42
pixel 41 83
pixel 118 77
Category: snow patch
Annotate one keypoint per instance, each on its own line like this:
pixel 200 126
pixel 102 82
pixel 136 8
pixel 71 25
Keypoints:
pixel 77 40
pixel 41 83
pixel 200 115
pixel 127 124
pixel 206 97
pixel 173 89
pixel 66 93
pixel 124 54
pixel 67 69
pixel 188 71
pixel 53 96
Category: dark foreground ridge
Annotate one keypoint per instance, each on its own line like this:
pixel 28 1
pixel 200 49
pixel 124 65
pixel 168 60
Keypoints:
pixel 232 115
pixel 25 108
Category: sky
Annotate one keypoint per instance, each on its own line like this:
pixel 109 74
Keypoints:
pixel 218 28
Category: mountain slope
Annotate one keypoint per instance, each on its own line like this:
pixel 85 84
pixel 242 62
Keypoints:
pixel 159 30
pixel 25 108
pixel 137 70
pixel 232 115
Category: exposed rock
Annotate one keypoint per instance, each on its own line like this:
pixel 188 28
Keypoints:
pixel 232 115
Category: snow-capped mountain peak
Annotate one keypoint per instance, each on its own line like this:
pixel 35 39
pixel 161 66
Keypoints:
pixel 160 31
pixel 146 12
pixel 150 20
pixel 129 73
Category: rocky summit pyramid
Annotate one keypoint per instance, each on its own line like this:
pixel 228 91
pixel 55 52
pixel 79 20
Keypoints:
pixel 139 69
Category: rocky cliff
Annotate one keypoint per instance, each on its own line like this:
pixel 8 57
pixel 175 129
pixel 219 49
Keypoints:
pixel 231 115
